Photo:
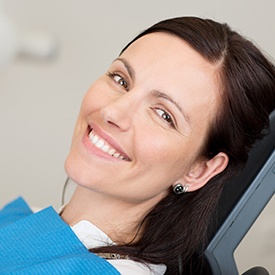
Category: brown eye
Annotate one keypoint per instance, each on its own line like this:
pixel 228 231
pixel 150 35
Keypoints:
pixel 119 80
pixel 165 116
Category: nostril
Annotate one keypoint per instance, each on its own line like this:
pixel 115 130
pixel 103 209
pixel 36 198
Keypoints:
pixel 112 123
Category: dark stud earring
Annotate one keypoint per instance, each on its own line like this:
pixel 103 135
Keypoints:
pixel 179 188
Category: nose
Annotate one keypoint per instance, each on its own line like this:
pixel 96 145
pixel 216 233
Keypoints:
pixel 120 112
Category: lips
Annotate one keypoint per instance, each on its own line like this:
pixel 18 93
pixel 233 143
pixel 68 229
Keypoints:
pixel 105 146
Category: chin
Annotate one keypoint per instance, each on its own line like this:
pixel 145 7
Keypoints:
pixel 71 169
pixel 76 169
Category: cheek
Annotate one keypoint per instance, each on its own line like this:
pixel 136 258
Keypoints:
pixel 162 151
pixel 166 155
pixel 93 100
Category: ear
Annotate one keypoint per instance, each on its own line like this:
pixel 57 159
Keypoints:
pixel 204 170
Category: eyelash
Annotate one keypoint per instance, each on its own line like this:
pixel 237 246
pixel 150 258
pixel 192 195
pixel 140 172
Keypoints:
pixel 166 117
pixel 123 85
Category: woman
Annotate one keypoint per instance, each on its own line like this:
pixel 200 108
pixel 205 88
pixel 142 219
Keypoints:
pixel 156 138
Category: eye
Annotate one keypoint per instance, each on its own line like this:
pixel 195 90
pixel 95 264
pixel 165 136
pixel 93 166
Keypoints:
pixel 119 80
pixel 165 116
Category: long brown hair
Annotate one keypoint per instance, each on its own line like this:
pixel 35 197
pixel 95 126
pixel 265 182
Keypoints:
pixel 175 231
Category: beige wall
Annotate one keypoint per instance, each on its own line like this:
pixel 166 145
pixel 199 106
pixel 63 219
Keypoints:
pixel 39 100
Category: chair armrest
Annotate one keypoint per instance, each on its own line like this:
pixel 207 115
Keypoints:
pixel 258 270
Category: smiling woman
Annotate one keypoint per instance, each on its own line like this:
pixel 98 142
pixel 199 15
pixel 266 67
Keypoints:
pixel 156 138
pixel 140 114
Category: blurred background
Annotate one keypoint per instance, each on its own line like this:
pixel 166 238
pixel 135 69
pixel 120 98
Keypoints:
pixel 50 53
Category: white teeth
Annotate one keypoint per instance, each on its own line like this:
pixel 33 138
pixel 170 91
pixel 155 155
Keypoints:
pixel 100 143
pixel 105 148
pixel 116 155
pixel 111 152
pixel 94 139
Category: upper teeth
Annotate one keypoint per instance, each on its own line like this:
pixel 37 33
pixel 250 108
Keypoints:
pixel 104 146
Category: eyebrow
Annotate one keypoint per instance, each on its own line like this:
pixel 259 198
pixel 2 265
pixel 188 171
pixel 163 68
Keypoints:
pixel 154 93
pixel 127 66
pixel 158 94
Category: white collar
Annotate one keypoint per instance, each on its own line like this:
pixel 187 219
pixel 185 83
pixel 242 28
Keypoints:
pixel 90 235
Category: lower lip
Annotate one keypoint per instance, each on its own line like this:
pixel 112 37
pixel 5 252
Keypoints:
pixel 92 149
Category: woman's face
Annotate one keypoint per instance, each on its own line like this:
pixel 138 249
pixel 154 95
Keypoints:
pixel 142 124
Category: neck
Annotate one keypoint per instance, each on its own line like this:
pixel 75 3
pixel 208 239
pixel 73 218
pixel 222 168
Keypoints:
pixel 120 220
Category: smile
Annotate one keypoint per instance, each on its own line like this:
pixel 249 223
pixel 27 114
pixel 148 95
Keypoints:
pixel 104 146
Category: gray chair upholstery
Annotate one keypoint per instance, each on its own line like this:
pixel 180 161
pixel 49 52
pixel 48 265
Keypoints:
pixel 242 201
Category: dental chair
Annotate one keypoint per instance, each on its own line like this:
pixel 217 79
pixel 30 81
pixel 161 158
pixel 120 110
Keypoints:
pixel 242 201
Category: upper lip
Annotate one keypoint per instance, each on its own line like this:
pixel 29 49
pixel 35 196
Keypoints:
pixel 112 142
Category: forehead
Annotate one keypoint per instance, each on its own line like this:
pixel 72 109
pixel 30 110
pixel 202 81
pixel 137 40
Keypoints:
pixel 163 53
pixel 159 46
